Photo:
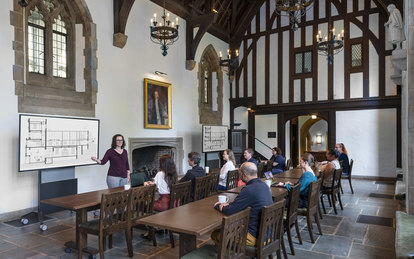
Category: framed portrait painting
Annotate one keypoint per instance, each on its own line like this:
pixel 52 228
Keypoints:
pixel 157 104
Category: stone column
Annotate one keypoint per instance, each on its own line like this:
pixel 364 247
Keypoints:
pixel 410 111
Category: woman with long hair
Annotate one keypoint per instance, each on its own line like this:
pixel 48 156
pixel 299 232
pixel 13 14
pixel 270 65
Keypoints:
pixel 343 157
pixel 164 179
pixel 308 176
pixel 230 164
pixel 118 172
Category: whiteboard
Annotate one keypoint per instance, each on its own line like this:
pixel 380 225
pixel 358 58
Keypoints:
pixel 50 142
pixel 215 138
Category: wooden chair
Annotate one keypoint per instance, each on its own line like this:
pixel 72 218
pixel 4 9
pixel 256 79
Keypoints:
pixel 312 209
pixel 179 195
pixel 291 216
pixel 348 176
pixel 270 233
pixel 233 235
pixel 288 164
pixel 214 182
pixel 232 179
pixel 262 167
pixel 141 204
pixel 113 218
pixel 201 187
pixel 333 191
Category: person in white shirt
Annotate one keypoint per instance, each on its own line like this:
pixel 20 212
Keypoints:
pixel 329 166
pixel 166 177
pixel 228 156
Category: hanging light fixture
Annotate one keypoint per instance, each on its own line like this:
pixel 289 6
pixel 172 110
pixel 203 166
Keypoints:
pixel 294 9
pixel 232 61
pixel 330 45
pixel 164 32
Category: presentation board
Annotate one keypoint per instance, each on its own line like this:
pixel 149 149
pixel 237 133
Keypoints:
pixel 215 138
pixel 49 142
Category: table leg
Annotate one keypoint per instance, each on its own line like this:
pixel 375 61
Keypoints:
pixel 188 243
pixel 81 216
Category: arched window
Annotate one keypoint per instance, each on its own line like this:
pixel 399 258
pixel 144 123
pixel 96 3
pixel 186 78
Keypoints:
pixel 210 88
pixel 45 51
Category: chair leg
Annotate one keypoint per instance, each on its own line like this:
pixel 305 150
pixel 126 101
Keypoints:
pixel 329 199
pixel 340 202
pixel 282 241
pixel 128 238
pixel 333 203
pixel 319 210
pixel 342 190
pixel 109 242
pixel 298 232
pixel 323 205
pixel 350 184
pixel 152 235
pixel 317 223
pixel 310 228
pixel 171 239
pixel 101 246
pixel 289 235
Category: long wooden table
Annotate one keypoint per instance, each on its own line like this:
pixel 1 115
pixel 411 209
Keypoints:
pixel 278 193
pixel 190 221
pixel 81 204
pixel 292 173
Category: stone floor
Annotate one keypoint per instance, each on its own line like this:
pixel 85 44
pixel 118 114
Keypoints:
pixel 342 236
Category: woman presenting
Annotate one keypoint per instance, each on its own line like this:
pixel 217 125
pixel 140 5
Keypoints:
pixel 118 173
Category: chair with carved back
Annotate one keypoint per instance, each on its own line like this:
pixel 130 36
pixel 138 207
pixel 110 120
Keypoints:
pixel 232 179
pixel 313 207
pixel 201 187
pixel 141 204
pixel 233 236
pixel 270 232
pixel 179 195
pixel 291 216
pixel 113 218
pixel 288 164
pixel 333 192
pixel 348 176
pixel 214 182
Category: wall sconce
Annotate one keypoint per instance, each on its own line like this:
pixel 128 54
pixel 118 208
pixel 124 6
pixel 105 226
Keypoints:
pixel 249 109
pixel 318 138
pixel 314 117
pixel 159 73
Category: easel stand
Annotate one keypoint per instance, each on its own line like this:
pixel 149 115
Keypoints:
pixel 52 183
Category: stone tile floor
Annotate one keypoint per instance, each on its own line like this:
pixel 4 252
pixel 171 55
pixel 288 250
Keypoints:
pixel 342 236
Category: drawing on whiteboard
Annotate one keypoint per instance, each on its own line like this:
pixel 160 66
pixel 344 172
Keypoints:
pixel 48 142
pixel 45 146
pixel 214 138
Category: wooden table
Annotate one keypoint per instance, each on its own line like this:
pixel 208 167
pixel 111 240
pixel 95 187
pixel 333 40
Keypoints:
pixel 292 173
pixel 190 221
pixel 278 193
pixel 81 203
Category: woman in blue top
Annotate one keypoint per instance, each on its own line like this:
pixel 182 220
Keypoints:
pixel 343 157
pixel 308 176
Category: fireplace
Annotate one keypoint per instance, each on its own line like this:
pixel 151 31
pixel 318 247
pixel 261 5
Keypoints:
pixel 145 153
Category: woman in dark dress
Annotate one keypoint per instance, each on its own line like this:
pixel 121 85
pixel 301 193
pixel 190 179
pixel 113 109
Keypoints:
pixel 343 157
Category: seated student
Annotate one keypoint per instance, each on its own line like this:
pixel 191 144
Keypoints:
pixel 277 161
pixel 228 156
pixel 194 159
pixel 308 176
pixel 329 166
pixel 256 194
pixel 248 156
pixel 343 156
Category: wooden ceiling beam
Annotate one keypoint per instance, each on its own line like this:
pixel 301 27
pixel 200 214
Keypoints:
pixel 121 13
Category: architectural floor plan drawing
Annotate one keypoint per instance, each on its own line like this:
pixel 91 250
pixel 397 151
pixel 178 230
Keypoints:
pixel 214 138
pixel 55 142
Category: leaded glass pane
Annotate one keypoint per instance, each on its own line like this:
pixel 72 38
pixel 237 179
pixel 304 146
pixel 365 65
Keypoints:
pixel 307 67
pixel 206 79
pixel 49 5
pixel 298 63
pixel 36 42
pixel 59 48
pixel 356 55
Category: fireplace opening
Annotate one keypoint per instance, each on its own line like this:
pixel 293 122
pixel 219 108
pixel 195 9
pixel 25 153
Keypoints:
pixel 147 159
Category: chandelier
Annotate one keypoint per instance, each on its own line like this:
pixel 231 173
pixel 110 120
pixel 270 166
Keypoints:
pixel 164 32
pixel 330 45
pixel 231 63
pixel 294 9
